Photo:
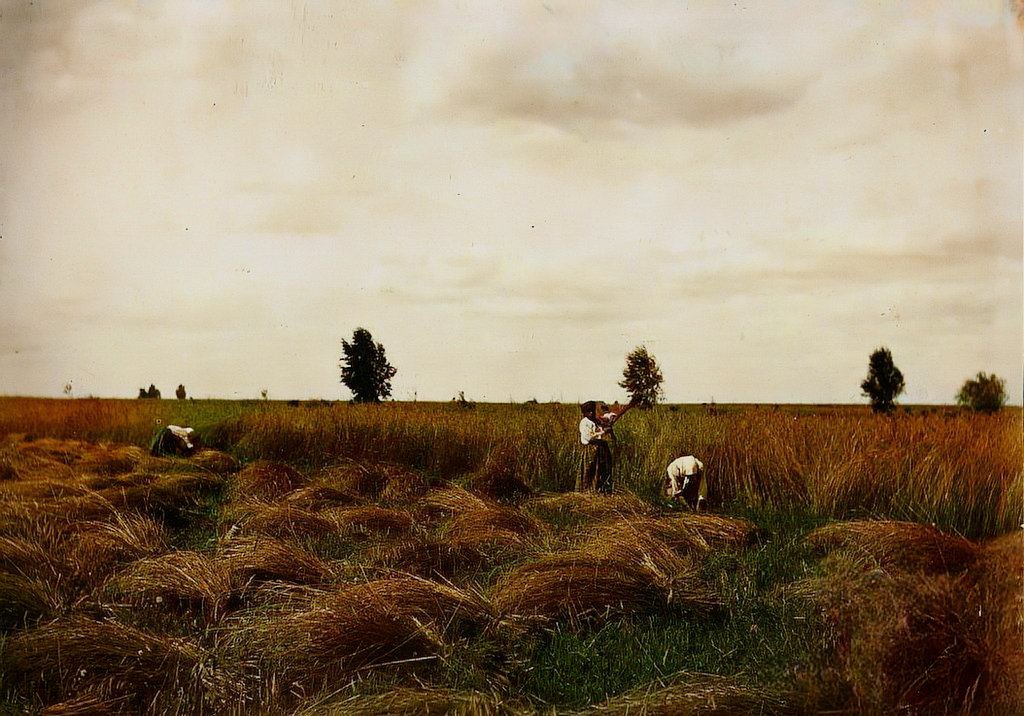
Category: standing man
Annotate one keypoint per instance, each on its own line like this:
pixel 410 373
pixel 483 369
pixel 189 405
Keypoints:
pixel 595 433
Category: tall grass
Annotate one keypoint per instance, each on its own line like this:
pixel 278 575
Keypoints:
pixel 958 470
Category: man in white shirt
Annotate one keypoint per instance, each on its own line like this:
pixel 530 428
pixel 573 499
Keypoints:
pixel 596 460
pixel 685 478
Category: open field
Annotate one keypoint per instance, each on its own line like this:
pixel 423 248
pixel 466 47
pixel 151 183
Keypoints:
pixel 426 558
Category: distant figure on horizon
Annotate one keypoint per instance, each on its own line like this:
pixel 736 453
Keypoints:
pixel 596 430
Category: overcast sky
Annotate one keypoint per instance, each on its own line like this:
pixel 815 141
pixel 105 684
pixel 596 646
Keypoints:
pixel 510 196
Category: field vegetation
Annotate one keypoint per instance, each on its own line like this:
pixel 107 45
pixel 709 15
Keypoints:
pixel 429 558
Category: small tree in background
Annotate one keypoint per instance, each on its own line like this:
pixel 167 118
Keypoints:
pixel 180 392
pixel 984 393
pixel 884 382
pixel 642 378
pixel 365 369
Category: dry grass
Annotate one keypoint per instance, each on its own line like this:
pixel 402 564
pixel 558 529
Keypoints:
pixel 265 481
pixel 998 576
pixel 696 695
pixel 389 622
pixel 497 527
pixel 420 702
pixel 899 545
pixel 586 506
pixel 253 560
pixel 185 581
pixel 214 461
pixel 613 575
pixel 77 652
pixel 370 520
pixel 373 480
pixel 320 497
pixel 275 520
pixel 430 556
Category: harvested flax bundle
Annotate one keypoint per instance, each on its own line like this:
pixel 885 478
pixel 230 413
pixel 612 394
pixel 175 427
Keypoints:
pixel 453 500
pixel 214 461
pixel 420 702
pixel 638 574
pixel 911 643
pixel 371 479
pixel 691 694
pixel 498 478
pixel 582 506
pixel 676 533
pixel 320 497
pixel 428 556
pixel 493 526
pixel 98 548
pixel 89 702
pixel 998 576
pixel 263 480
pixel 384 622
pixel 252 560
pixel 901 545
pixel 282 521
pixel 104 459
pixel 188 581
pixel 77 651
pixel 370 520
pixel 26 600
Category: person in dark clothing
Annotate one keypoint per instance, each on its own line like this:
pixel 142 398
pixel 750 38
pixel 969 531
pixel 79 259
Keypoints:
pixel 173 440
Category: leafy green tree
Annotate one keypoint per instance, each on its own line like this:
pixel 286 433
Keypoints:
pixel 180 392
pixel 984 393
pixel 884 382
pixel 642 378
pixel 365 369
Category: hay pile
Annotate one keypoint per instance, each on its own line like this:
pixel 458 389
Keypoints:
pixel 183 581
pixel 583 506
pixel 911 637
pixel 109 657
pixel 373 480
pixel 265 481
pixel 693 694
pixel 403 621
pixel 420 702
pixel 898 545
pixel 618 573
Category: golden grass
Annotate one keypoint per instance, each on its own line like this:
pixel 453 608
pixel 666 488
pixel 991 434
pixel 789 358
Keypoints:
pixel 495 527
pixel 370 520
pixel 901 545
pixel 265 481
pixel 67 654
pixel 186 581
pixel 275 520
pixel 432 557
pixel 253 560
pixel 420 702
pixel 389 622
pixel 693 694
pixel 586 505
pixel 614 574
pixel 319 497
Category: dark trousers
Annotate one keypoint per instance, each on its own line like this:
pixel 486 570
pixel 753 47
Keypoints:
pixel 595 468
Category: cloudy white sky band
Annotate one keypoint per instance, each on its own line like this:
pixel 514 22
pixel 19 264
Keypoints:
pixel 510 196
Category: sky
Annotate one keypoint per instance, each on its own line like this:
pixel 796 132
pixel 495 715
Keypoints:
pixel 510 196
